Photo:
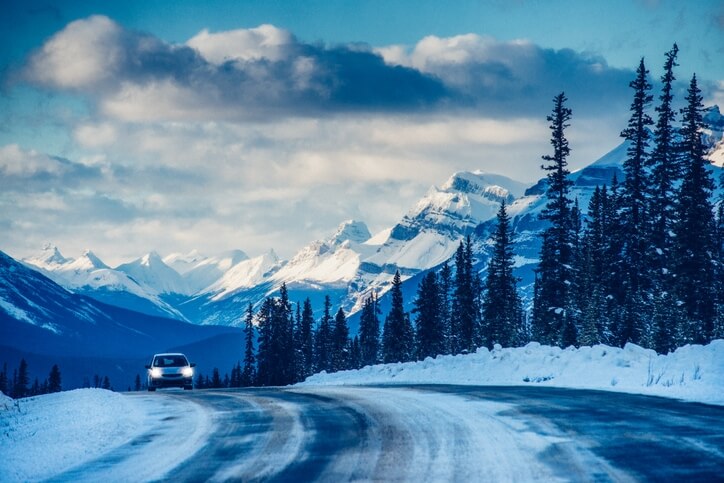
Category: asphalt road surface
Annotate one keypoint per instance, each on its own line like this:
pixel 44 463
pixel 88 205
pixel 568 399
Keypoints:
pixel 422 433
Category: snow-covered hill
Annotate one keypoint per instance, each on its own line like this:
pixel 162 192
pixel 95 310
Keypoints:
pixel 692 372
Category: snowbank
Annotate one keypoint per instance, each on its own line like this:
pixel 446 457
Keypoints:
pixel 693 372
pixel 44 435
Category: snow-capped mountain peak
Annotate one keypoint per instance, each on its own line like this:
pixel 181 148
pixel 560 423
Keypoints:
pixel 88 261
pixel 152 273
pixel 350 230
pixel 49 256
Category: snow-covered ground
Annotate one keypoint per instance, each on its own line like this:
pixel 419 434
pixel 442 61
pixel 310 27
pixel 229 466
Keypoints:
pixel 692 372
pixel 45 436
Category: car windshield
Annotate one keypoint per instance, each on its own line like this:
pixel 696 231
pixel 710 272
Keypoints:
pixel 170 361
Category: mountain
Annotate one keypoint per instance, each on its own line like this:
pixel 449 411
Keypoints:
pixel 152 273
pixel 41 320
pixel 350 263
pixel 208 270
pixel 88 275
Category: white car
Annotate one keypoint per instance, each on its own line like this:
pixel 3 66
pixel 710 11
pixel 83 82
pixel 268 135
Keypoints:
pixel 170 370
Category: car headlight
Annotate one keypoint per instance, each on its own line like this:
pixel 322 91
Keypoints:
pixel 187 372
pixel 156 372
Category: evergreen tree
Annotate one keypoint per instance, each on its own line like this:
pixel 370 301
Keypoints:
pixel 634 216
pixel 21 381
pixel 4 379
pixel 369 332
pixel 284 332
pixel 106 383
pixel 340 341
pixel 553 302
pixel 430 340
pixel 200 381
pixel 323 339
pixel 265 352
pixel 502 308
pixel 445 282
pixel 306 340
pixel 397 336
pixel 248 374
pixel 216 379
pixel 355 354
pixel 137 383
pixel 695 228
pixel 54 379
pixel 665 172
pixel 465 303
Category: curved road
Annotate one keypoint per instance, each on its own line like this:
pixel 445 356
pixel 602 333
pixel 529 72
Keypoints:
pixel 422 433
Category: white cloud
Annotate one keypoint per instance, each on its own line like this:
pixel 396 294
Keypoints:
pixel 95 135
pixel 265 41
pixel 85 53
pixel 14 161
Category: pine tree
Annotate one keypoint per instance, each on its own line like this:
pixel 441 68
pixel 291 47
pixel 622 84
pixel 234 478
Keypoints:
pixel 54 379
pixel 635 223
pixel 695 228
pixel 430 340
pixel 445 282
pixel 306 340
pixel 106 383
pixel 553 303
pixel 323 339
pixel 265 352
pixel 4 379
pixel 284 335
pixel 216 379
pixel 340 341
pixel 397 336
pixel 21 381
pixel 248 375
pixel 502 308
pixel 369 332
pixel 355 354
pixel 465 303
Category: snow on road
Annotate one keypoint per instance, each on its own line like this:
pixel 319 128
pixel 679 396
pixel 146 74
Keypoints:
pixel 46 436
pixel 692 372
pixel 425 436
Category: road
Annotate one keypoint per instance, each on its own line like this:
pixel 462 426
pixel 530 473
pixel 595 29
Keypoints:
pixel 420 433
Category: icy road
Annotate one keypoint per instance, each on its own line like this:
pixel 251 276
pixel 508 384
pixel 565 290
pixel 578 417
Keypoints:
pixel 417 433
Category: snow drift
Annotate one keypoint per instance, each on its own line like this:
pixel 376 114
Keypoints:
pixel 693 372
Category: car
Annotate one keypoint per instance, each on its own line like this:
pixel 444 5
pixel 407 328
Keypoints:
pixel 170 370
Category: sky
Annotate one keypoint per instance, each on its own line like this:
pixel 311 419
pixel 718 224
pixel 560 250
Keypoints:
pixel 133 126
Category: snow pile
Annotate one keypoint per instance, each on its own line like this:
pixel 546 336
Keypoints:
pixel 693 372
pixel 44 435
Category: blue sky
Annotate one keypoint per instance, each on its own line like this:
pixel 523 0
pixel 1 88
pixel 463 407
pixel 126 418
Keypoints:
pixel 132 126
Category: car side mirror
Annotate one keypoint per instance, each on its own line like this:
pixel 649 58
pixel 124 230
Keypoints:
pixel 193 364
pixel 148 366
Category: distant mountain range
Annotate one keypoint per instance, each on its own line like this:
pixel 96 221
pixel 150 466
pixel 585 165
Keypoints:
pixel 349 264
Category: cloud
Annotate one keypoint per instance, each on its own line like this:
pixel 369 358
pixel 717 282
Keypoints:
pixel 266 73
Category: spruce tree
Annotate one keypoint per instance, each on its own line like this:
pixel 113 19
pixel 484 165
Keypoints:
pixel 4 380
pixel 323 339
pixel 21 381
pixel 340 342
pixel 429 333
pixel 306 339
pixel 355 354
pixel 106 383
pixel 502 308
pixel 369 332
pixel 284 338
pixel 635 222
pixel 445 282
pixel 54 379
pixel 397 336
pixel 553 302
pixel 465 317
pixel 216 379
pixel 248 374
pixel 265 354
pixel 695 228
